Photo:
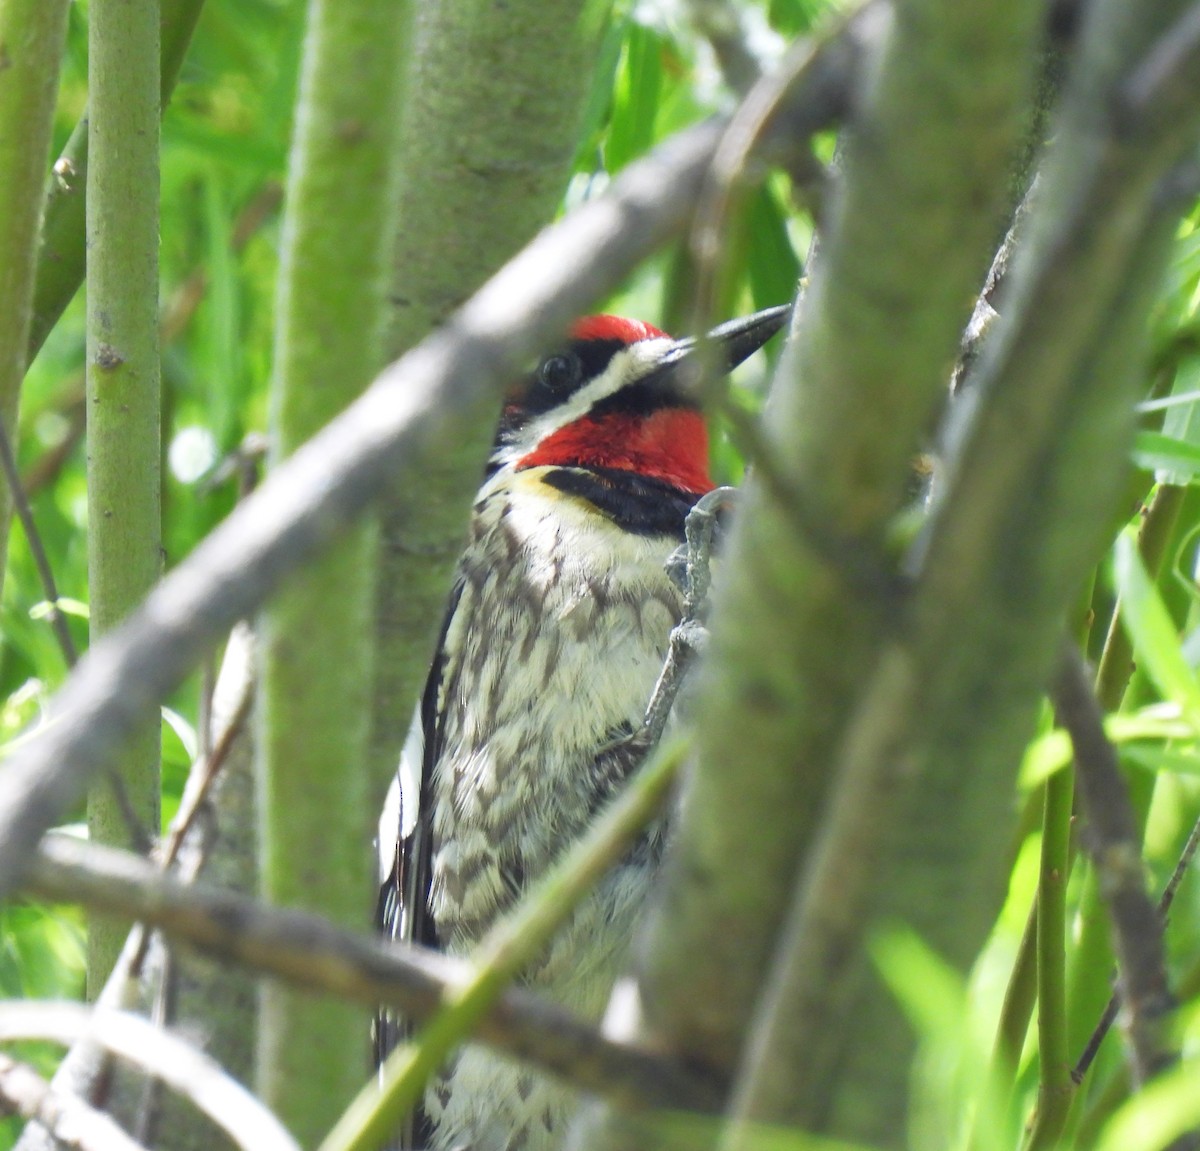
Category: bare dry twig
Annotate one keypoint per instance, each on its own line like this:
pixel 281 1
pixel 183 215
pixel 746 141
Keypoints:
pixel 1112 840
pixel 1109 1016
pixel 70 1121
pixel 33 538
pixel 310 952
pixel 162 1055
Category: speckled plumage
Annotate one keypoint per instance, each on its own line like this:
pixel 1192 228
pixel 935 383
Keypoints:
pixel 562 669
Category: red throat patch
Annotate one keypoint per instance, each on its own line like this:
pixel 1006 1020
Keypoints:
pixel 670 444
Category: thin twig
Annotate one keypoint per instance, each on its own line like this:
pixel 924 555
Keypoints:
pixel 1111 838
pixel 1108 1018
pixel 723 25
pixel 86 1069
pixel 189 294
pixel 201 777
pixel 1181 866
pixel 69 1120
pixel 138 836
pixel 310 952
pixel 181 1067
pixel 204 773
pixel 83 1071
pixel 33 538
pixel 72 407
pixel 742 137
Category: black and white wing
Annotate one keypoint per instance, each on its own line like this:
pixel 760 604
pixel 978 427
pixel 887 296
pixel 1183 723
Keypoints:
pixel 405 835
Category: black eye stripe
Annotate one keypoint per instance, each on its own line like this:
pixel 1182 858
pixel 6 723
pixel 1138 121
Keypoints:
pixel 551 383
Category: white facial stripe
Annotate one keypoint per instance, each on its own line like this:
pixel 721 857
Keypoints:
pixel 627 365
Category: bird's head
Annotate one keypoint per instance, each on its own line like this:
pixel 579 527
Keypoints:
pixel 616 398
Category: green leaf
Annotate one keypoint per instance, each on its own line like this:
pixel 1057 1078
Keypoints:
pixel 65 604
pixel 1171 761
pixel 1152 632
pixel 1182 425
pixel 600 95
pixel 687 1130
pixel 1159 1113
pixel 1173 461
pixel 635 98
pixel 1052 752
pixel 793 17
pixel 955 1042
pixel 771 261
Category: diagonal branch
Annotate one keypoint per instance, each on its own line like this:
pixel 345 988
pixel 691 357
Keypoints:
pixel 33 539
pixel 69 1119
pixel 1113 842
pixel 1024 512
pixel 796 637
pixel 310 952
pixel 158 1053
pixel 384 436
pixel 508 947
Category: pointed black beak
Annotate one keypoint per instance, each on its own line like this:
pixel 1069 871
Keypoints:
pixel 741 338
pixel 729 343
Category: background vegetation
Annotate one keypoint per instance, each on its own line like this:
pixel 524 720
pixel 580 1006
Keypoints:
pixel 877 767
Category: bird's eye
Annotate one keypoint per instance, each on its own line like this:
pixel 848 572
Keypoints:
pixel 560 373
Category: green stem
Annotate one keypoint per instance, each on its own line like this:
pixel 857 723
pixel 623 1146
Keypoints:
pixel 61 259
pixel 123 470
pixel 376 1114
pixel 1154 536
pixel 1019 998
pixel 1056 1087
pixel 317 653
pixel 1091 959
pixel 487 158
pixel 31 44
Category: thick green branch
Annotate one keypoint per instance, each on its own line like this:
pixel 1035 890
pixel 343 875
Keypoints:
pixel 316 650
pixel 1023 516
pixel 31 43
pixel 124 449
pixel 908 247
pixel 487 157
pixel 61 259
